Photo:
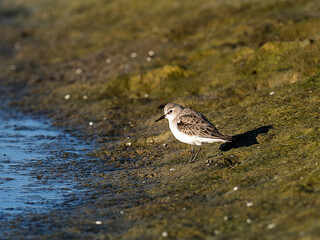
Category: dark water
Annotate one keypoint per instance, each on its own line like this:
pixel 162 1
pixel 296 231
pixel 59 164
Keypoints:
pixel 34 161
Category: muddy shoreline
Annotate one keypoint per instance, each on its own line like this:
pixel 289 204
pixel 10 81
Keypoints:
pixel 103 71
pixel 59 177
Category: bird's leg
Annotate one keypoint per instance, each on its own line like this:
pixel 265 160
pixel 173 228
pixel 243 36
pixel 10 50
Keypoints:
pixel 194 158
pixel 191 157
pixel 219 153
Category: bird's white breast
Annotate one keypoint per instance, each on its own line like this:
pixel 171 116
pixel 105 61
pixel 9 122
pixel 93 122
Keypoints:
pixel 193 140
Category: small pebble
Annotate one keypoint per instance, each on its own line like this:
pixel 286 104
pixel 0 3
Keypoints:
pixel 67 96
pixel 108 61
pixel 128 143
pixel 146 95
pixel 225 218
pixel 249 204
pixel 164 234
pixel 79 71
pixel 17 45
pixel 235 188
pixel 90 123
pixel 171 169
pixel 85 97
pixel 272 93
pixel 98 222
pixel 249 221
pixel 148 59
pixel 165 144
pixel 150 53
pixel 13 67
pixel 133 55
pixel 121 212
pixel 271 226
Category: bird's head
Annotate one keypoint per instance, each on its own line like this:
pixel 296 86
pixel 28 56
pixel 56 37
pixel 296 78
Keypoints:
pixel 171 110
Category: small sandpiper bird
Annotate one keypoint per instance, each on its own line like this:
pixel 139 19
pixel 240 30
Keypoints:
pixel 191 127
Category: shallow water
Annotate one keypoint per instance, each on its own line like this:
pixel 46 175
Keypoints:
pixel 30 153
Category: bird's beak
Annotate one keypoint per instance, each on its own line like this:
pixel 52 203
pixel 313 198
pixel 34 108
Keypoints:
pixel 160 118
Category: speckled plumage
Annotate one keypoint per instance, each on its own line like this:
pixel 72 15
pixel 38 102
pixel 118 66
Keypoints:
pixel 192 127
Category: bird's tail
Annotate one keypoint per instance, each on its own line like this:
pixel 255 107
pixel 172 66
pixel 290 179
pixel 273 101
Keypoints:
pixel 228 138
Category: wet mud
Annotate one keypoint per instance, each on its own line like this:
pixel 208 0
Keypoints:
pixel 43 169
pixel 26 143
pixel 101 72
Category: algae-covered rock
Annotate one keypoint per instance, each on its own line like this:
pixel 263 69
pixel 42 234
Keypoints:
pixel 163 81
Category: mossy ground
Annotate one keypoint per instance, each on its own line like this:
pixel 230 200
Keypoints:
pixel 246 65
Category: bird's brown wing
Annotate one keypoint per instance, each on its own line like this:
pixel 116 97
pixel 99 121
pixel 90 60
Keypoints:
pixel 198 125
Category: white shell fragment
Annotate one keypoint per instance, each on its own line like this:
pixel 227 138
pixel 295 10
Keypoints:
pixel 164 234
pixel 79 71
pixel 249 204
pixel 271 226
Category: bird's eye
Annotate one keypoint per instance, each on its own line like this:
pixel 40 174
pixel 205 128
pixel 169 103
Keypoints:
pixel 170 112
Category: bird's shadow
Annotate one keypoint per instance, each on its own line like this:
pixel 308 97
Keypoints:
pixel 245 139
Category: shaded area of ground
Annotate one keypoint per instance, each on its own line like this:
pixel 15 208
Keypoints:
pixel 246 139
pixel 104 68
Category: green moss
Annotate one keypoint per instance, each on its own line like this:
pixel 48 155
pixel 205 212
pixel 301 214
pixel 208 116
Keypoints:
pixel 244 64
pixel 164 81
